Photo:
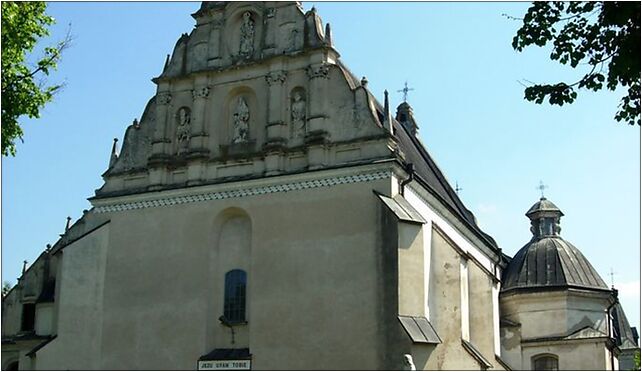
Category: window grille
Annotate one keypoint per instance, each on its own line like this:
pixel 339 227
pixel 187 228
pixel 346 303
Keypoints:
pixel 547 362
pixel 234 304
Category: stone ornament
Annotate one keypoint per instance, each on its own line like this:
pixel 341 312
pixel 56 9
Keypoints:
pixel 202 92
pixel 270 12
pixel 164 98
pixel 244 192
pixel 298 110
pixel 246 47
pixel 320 71
pixel 276 77
pixel 183 129
pixel 241 122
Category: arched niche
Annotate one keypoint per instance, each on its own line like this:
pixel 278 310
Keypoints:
pixel 230 117
pixel 243 23
pixel 12 365
pixel 231 249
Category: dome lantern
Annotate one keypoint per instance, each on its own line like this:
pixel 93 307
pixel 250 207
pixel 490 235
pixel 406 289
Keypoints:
pixel 545 218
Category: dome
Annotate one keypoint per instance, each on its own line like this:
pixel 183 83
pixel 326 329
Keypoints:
pixel 548 261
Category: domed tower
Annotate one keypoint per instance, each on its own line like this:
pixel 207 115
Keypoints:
pixel 553 303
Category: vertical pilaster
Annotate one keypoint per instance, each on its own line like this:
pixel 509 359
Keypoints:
pixel 317 135
pixel 276 130
pixel 159 148
pixel 319 75
pixel 276 127
pixel 198 138
pixel 160 141
pixel 198 151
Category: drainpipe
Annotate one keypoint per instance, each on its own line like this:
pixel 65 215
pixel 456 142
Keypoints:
pixel 610 325
pixel 410 169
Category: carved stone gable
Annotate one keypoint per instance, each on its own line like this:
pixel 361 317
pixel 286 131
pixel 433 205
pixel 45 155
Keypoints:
pixel 256 89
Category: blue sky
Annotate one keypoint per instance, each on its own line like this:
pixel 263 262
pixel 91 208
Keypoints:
pixel 468 101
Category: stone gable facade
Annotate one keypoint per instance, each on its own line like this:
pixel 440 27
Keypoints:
pixel 267 212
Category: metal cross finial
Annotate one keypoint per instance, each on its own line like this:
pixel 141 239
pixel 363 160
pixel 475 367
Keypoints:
pixel 612 274
pixel 541 187
pixel 457 188
pixel 405 91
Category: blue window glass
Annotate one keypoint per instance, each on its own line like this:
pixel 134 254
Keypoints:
pixel 234 305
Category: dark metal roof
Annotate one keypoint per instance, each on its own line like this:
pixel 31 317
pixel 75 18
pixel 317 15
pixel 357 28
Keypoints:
pixel 402 208
pixel 419 329
pixel 427 171
pixel 543 205
pixel 40 346
pixel 550 262
pixel 227 354
pixel 625 338
pixel 583 333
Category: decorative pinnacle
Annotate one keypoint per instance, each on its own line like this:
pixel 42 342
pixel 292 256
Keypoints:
pixel 541 187
pixel 68 224
pixel 113 157
pixel 328 34
pixel 24 266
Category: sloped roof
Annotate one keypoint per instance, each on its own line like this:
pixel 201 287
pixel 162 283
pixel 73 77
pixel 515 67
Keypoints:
pixel 623 331
pixel 550 262
pixel 543 205
pixel 431 176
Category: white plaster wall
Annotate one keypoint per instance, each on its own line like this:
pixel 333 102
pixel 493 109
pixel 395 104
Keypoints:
pixel 80 301
pixel 313 284
pixel 572 356
pixel 44 319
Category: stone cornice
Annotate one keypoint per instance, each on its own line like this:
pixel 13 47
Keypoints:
pixel 243 188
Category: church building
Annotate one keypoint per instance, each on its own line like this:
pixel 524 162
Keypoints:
pixel 266 211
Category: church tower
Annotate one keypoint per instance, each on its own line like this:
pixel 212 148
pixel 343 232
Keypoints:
pixel 553 304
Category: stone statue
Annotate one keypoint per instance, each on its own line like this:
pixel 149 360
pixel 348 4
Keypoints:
pixel 241 122
pixel 183 129
pixel 408 363
pixel 298 115
pixel 292 39
pixel 247 35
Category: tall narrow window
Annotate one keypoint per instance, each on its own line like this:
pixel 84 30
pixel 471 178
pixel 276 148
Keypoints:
pixel 546 362
pixel 28 317
pixel 234 305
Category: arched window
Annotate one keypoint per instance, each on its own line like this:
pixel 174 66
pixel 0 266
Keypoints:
pixel 234 305
pixel 545 362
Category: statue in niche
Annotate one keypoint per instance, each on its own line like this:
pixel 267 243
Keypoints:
pixel 298 115
pixel 292 37
pixel 247 35
pixel 183 129
pixel 241 120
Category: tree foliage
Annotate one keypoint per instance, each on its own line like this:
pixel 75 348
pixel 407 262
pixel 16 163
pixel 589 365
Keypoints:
pixel 6 287
pixel 24 91
pixel 604 37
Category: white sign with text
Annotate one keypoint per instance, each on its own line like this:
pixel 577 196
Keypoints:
pixel 224 365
